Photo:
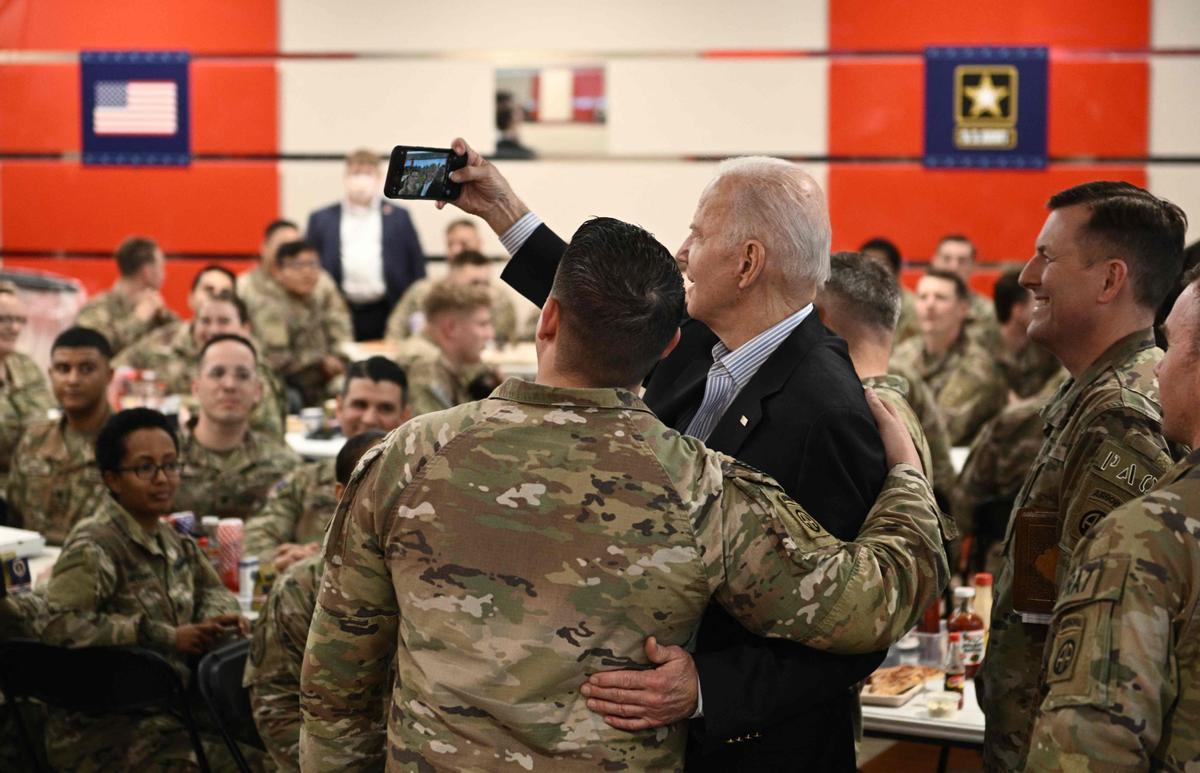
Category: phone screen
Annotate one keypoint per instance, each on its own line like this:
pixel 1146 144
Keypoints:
pixel 422 174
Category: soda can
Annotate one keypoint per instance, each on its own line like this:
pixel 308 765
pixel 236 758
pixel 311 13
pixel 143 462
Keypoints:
pixel 247 580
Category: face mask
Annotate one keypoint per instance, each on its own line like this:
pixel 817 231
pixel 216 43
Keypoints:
pixel 360 187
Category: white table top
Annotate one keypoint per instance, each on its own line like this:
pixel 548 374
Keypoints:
pixel 311 448
pixel 912 719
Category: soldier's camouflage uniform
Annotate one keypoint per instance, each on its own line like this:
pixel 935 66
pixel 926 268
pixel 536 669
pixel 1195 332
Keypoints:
pixel 1122 673
pixel 499 552
pixel 297 510
pixel 1103 447
pixel 24 397
pixel 111 315
pixel 54 482
pixel 906 326
pixel 921 400
pixel 234 484
pixel 117 584
pixel 965 381
pixel 893 390
pixel 298 333
pixel 256 287
pixel 434 385
pixel 981 325
pixel 172 354
pixel 400 320
pixel 276 653
pixel 1028 371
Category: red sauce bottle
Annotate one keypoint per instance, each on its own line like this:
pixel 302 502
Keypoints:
pixel 969 626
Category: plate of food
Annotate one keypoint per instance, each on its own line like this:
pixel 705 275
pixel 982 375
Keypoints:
pixel 896 685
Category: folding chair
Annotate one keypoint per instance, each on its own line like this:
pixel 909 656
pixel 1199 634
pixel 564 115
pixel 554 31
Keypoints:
pixel 219 677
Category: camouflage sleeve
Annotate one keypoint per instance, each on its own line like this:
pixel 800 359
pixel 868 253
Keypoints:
pixel 211 595
pixel 284 356
pixel 1110 672
pixel 973 394
pixel 14 489
pixel 84 577
pixel 398 321
pixel 351 641
pixel 773 567
pixel 270 415
pixel 504 319
pixel 119 332
pixel 336 322
pixel 23 615
pixel 275 523
pixel 276 463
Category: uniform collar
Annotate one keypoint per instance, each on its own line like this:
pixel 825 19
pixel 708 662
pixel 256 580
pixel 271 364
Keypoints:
pixel 133 530
pixel 1056 411
pixel 531 393
pixel 1181 470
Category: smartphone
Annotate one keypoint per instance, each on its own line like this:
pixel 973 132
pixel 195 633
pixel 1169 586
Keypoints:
pixel 422 173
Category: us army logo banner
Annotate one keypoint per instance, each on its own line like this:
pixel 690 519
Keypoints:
pixel 985 107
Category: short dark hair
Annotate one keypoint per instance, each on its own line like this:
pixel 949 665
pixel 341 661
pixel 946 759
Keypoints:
pixel 870 287
pixel 960 238
pixel 960 287
pixel 1007 293
pixel 83 338
pixel 1191 274
pixel 469 258
pixel 238 304
pixel 1147 231
pixel 133 253
pixel 352 450
pixel 110 443
pixel 219 338
pixel 622 299
pixel 289 250
pixel 378 368
pixel 211 267
pixel 879 244
pixel 504 110
pixel 275 225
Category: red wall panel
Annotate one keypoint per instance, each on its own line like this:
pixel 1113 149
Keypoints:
pixel 1001 211
pixel 208 207
pixel 39 107
pixel 211 26
pixel 909 25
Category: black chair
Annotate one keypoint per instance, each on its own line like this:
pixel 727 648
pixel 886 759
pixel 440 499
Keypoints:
pixel 93 680
pixel 219 677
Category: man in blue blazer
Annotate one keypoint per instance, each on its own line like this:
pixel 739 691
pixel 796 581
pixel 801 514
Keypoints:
pixel 368 246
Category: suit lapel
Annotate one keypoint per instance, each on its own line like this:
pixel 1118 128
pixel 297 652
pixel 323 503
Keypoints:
pixel 681 405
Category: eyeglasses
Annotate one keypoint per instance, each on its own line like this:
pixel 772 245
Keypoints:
pixel 148 470
pixel 13 319
pixel 301 265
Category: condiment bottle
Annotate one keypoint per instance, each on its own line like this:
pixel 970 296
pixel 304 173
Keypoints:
pixel 956 680
pixel 983 599
pixel 965 622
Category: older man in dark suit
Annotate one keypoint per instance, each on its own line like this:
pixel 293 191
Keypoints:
pixel 755 375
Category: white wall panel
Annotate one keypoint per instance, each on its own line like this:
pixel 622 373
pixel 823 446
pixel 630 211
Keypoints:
pixel 717 107
pixel 1174 108
pixel 334 106
pixel 661 196
pixel 1179 183
pixel 540 26
pixel 1175 24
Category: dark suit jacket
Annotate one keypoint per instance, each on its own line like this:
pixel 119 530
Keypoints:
pixel 403 261
pixel 768 704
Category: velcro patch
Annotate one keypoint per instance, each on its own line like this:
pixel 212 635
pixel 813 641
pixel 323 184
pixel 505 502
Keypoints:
pixel 1065 651
pixel 1100 579
pixel 1125 468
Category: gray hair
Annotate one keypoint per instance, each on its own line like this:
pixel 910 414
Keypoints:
pixel 782 206
pixel 869 286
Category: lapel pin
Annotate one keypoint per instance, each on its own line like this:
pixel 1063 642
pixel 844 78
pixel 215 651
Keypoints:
pixel 744 421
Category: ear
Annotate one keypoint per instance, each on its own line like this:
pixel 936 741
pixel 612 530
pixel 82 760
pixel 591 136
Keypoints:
pixel 671 344
pixel 1116 276
pixel 338 490
pixel 111 479
pixel 751 261
pixel 549 320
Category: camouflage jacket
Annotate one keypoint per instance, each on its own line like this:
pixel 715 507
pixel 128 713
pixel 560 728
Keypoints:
pixel 408 310
pixel 907 326
pixel 1123 671
pixel 434 385
pixel 965 381
pixel 233 484
pixel 24 397
pixel 296 333
pixel 171 352
pixel 893 389
pixel 54 482
pixel 923 404
pixel 298 509
pixel 1028 371
pixel 276 652
pixel 1103 446
pixel 981 326
pixel 499 552
pixel 111 314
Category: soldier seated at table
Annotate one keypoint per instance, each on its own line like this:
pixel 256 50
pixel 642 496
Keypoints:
pixel 24 394
pixel 467 268
pixel 134 305
pixel 273 669
pixel 125 578
pixel 53 482
pixel 459 325
pixel 1030 370
pixel 292 523
pixel 228 468
pixel 173 357
pixel 299 342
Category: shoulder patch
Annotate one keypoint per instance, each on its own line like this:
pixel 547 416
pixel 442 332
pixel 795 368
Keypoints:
pixel 1099 579
pixel 1065 649
pixel 1125 468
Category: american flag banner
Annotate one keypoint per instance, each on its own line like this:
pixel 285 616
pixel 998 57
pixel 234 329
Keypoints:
pixel 135 108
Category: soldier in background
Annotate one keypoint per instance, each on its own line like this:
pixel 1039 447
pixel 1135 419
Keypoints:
pixel 292 523
pixel 960 372
pixel 1029 369
pixel 467 268
pixel 277 651
pixel 887 255
pixel 542 519
pixel 228 469
pixel 1106 257
pixel 53 482
pixel 460 327
pixel 955 253
pixel 134 305
pixel 1122 670
pixel 24 394
pixel 299 343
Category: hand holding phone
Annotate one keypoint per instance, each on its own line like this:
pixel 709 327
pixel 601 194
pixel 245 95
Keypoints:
pixel 422 173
